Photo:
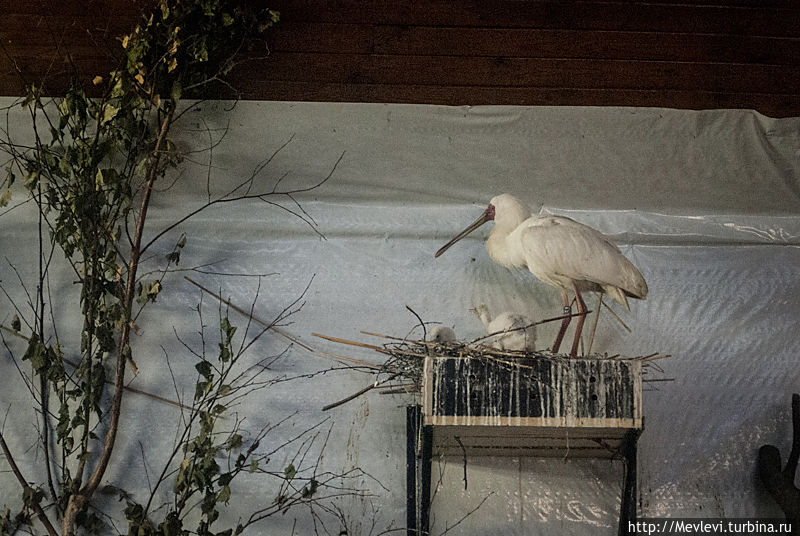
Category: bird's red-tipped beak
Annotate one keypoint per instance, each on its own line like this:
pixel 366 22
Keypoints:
pixel 488 215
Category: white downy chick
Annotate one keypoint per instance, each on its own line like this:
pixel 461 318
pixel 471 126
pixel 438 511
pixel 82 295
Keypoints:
pixel 520 340
pixel 441 334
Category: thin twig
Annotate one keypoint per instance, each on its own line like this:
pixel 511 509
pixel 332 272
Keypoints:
pixel 24 483
pixel 465 516
pixel 109 382
pixel 272 327
pixel 351 343
pixel 624 325
pixel 421 323
pixel 359 393
pixel 464 453
pixel 546 320
pixel 596 320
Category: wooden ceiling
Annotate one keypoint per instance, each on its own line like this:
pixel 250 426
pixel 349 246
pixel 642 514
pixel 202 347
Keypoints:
pixel 693 54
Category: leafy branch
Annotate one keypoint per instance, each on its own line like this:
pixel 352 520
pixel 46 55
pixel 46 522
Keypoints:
pixel 92 172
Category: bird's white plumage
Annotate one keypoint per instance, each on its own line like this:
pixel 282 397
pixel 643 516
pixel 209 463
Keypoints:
pixel 560 251
pixel 515 331
pixel 441 334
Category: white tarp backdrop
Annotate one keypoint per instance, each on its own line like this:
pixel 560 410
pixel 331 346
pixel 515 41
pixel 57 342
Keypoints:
pixel 706 204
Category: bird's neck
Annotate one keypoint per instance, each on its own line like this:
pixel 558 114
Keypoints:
pixel 501 250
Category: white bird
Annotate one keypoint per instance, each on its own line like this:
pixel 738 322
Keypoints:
pixel 560 252
pixel 441 334
pixel 516 331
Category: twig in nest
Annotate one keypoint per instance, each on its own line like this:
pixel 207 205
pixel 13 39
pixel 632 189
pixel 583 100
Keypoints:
pixel 421 323
pixel 403 391
pixel 546 320
pixel 276 330
pixel 357 394
pixel 351 343
pixel 624 325
pixel 653 357
pixel 596 321
pixel 393 352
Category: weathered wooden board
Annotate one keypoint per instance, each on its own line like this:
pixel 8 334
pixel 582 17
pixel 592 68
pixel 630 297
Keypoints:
pixel 532 406
pixel 692 54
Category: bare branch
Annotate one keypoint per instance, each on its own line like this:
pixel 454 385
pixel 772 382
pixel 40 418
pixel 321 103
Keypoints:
pixel 24 483
pixel 247 184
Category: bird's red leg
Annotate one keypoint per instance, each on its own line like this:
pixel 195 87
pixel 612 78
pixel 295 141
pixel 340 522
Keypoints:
pixel 564 322
pixel 579 327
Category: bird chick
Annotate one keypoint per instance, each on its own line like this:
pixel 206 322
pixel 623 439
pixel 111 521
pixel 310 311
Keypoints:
pixel 441 334
pixel 520 340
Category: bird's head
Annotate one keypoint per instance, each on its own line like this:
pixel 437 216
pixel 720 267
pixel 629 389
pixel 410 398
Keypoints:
pixel 509 211
pixel 505 210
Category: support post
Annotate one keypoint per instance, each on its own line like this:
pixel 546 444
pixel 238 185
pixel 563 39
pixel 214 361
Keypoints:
pixel 419 449
pixel 425 477
pixel 413 414
pixel 627 511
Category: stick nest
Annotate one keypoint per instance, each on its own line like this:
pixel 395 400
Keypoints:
pixel 402 371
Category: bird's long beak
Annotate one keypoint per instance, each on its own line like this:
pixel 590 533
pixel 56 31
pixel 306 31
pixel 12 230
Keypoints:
pixel 488 215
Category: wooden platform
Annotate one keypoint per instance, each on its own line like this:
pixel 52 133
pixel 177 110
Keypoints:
pixel 532 406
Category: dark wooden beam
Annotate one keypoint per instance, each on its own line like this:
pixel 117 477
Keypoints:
pixel 691 54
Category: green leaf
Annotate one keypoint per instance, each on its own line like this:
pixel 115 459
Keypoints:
pixel 32 496
pixel 148 292
pixel 253 465
pixel 64 166
pixel 201 389
pixel 234 442
pixel 36 353
pixel 204 368
pixel 172 525
pixel 109 112
pixel 64 107
pixel 224 494
pixel 31 180
pixel 228 329
pixel 5 521
pixel 290 471
pixel 309 489
pixel 225 479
